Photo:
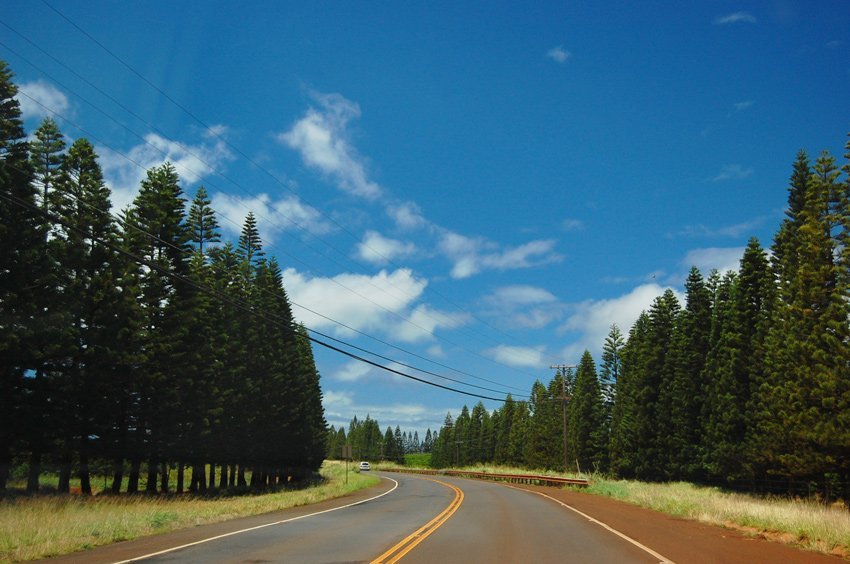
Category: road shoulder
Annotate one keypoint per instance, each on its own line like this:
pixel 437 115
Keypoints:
pixel 679 539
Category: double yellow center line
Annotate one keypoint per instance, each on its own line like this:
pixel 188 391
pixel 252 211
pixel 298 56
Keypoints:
pixel 407 544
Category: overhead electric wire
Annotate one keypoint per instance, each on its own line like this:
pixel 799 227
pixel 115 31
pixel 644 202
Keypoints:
pixel 255 164
pixel 235 303
pixel 126 223
pixel 391 312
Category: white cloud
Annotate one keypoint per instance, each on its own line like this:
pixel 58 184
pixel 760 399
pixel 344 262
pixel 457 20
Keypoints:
pixel 321 138
pixel 572 225
pixel 352 372
pixel 744 105
pixel 124 172
pixel 732 172
pixel 592 319
pixel 406 215
pixel 362 302
pixel 523 306
pixel 39 99
pixel 287 214
pixel 423 321
pixel 528 357
pixel 558 54
pixel 723 259
pixel 377 249
pixel 735 17
pixel 473 255
pixel 735 230
pixel 342 406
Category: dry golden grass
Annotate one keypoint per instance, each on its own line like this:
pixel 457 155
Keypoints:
pixel 804 523
pixel 39 527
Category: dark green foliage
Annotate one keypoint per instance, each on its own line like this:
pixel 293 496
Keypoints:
pixel 586 424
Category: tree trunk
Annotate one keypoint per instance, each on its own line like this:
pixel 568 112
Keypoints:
pixel 117 474
pixel 212 475
pixel 166 476
pixel 34 470
pixel 240 480
pixel 150 487
pixel 180 469
pixel 5 466
pixel 199 478
pixel 133 479
pixel 85 477
pixel 64 485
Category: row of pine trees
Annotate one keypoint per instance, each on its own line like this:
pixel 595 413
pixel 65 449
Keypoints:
pixel 138 340
pixel 746 384
pixel 367 443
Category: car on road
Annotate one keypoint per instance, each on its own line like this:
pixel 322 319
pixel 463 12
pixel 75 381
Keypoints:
pixel 365 466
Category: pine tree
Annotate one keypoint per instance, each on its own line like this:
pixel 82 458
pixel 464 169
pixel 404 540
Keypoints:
pixel 250 247
pixel 203 226
pixel 23 256
pixel 682 399
pixel 623 442
pixel 46 155
pixel 586 427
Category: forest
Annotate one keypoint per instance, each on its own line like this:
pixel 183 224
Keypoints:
pixel 746 385
pixel 137 340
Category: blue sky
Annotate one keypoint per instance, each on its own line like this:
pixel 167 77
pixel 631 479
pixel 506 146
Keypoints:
pixel 488 186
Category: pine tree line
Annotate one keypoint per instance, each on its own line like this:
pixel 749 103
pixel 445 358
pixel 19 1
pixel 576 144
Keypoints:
pixel 367 443
pixel 140 341
pixel 746 384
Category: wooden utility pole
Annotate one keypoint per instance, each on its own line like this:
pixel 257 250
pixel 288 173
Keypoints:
pixel 562 370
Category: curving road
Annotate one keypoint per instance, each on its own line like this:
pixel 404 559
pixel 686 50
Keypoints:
pixel 420 520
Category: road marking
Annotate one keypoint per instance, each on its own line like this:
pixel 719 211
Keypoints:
pixel 407 544
pixel 661 559
pixel 202 541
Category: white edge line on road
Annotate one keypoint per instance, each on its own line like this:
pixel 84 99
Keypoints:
pixel 202 541
pixel 662 559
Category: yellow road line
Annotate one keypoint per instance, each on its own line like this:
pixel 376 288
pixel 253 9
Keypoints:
pixel 407 544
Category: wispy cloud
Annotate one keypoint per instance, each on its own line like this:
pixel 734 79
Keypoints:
pixel 558 54
pixel 472 255
pixel 523 306
pixel 527 357
pixel 732 172
pixel 377 249
pixel 273 217
pixel 365 303
pixel 572 225
pixel 720 258
pixel 124 172
pixel 423 321
pixel 341 406
pixel 321 139
pixel 735 230
pixel 744 105
pixel 39 99
pixel 592 319
pixel 735 17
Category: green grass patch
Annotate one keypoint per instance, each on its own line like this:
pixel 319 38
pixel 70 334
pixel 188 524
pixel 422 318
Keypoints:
pixel 50 525
pixel 418 460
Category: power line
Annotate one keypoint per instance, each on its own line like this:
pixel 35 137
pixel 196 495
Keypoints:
pixel 259 167
pixel 129 159
pixel 217 295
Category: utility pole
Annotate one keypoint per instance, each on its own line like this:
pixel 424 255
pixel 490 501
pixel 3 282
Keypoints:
pixel 562 370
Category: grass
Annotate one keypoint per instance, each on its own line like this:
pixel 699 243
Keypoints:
pixel 807 524
pixel 44 526
pixel 804 523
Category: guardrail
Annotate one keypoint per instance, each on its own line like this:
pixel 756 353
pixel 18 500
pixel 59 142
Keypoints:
pixel 534 479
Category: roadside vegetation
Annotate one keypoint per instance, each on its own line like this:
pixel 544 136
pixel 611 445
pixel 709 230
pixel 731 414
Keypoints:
pixel 50 525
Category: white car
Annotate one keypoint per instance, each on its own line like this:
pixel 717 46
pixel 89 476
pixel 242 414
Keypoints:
pixel 365 466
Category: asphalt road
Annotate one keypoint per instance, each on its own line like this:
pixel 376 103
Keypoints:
pixel 422 520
